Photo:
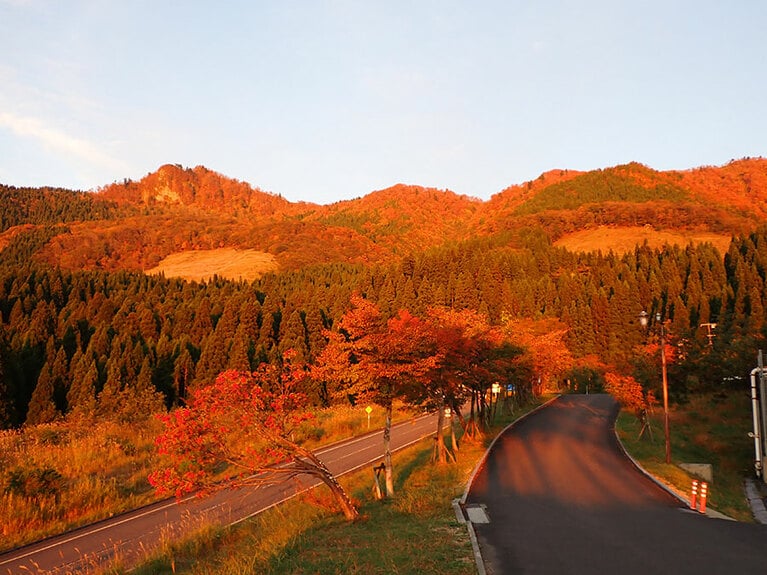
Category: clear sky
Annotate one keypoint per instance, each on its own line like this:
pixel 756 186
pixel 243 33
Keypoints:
pixel 329 100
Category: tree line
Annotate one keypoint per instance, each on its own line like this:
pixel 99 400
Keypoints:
pixel 117 344
pixel 51 206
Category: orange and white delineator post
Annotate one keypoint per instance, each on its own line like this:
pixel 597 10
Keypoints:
pixel 703 496
pixel 694 494
pixel 698 487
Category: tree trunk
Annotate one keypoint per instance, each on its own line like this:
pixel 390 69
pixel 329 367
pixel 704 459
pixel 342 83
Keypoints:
pixel 484 412
pixel 387 452
pixel 456 410
pixel 339 493
pixel 471 427
pixel 348 508
pixel 440 451
pixel 453 438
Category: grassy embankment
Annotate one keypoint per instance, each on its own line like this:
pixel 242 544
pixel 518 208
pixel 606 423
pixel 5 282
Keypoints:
pixel 711 428
pixel 59 476
pixel 416 532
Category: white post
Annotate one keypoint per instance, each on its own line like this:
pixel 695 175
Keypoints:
pixel 758 464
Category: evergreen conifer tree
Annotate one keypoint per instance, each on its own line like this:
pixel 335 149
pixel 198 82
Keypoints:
pixel 42 408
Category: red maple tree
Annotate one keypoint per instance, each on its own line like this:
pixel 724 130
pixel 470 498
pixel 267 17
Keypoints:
pixel 371 359
pixel 245 420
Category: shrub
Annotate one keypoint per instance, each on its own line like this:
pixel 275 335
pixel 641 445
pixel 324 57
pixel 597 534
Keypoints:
pixel 34 482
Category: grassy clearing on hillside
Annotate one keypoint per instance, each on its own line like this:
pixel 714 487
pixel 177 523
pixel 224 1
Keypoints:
pixel 623 239
pixel 59 476
pixel 712 428
pixel 414 533
pixel 230 263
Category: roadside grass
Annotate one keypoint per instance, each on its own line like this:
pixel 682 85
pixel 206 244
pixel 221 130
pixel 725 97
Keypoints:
pixel 59 476
pixel 711 428
pixel 415 532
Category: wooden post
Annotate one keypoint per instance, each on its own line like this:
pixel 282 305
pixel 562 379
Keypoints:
pixel 377 490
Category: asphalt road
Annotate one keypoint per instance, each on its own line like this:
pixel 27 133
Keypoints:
pixel 131 535
pixel 563 499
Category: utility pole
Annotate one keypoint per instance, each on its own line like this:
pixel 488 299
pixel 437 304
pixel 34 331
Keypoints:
pixel 758 402
pixel 763 402
pixel 665 387
pixel 644 321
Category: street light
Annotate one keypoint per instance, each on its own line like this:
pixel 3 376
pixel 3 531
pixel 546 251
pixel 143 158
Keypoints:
pixel 643 321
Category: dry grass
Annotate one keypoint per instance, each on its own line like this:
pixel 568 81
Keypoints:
pixel 59 476
pixel 623 239
pixel 711 428
pixel 227 263
pixel 414 533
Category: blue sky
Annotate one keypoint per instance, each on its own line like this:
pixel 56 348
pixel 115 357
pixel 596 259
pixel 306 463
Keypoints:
pixel 329 100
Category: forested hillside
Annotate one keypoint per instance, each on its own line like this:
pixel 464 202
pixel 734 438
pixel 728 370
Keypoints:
pixel 50 205
pixel 84 332
pixel 135 225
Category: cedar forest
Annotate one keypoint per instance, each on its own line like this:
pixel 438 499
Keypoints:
pixel 85 334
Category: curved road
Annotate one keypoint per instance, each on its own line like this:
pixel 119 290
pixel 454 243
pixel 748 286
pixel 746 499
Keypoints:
pixel 562 498
pixel 132 534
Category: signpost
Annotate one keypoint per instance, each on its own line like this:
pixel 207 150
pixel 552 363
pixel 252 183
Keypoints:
pixel 368 410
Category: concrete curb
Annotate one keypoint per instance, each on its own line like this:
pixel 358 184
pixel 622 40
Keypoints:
pixel 459 502
pixel 472 536
pixel 756 501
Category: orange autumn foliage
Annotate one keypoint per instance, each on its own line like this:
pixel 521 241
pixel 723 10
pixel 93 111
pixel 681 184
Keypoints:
pixel 627 390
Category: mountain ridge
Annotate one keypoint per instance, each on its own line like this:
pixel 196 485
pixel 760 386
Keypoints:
pixel 176 209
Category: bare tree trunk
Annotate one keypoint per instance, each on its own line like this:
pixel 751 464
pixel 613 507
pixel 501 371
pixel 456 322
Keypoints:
pixel 440 450
pixel 387 452
pixel 348 508
pixel 486 410
pixel 470 426
pixel 456 409
pixel 453 438
pixel 313 465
